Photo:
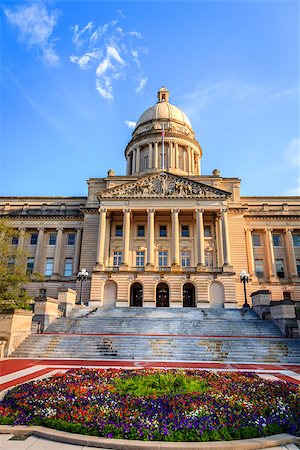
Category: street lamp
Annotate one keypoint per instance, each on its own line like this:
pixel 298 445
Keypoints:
pixel 82 276
pixel 244 277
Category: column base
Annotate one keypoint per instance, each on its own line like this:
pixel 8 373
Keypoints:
pixel 98 267
pixel 201 268
pixel 124 267
pixel 295 278
pixel 227 268
pixel 149 267
pixel 175 267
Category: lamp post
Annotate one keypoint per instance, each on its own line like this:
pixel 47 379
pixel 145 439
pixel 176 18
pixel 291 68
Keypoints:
pixel 244 277
pixel 82 276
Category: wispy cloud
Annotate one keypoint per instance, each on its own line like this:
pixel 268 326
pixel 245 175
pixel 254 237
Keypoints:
pixel 258 97
pixel 130 124
pixel 111 51
pixel 35 25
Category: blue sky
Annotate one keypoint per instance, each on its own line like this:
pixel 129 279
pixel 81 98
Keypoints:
pixel 73 74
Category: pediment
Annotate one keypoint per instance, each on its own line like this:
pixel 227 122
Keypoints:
pixel 163 185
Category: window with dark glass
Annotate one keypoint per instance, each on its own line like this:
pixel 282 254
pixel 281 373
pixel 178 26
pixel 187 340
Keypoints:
pixel 141 230
pixel 185 231
pixel 118 258
pixel 140 259
pixel 163 230
pixel 52 239
pixel 185 259
pixel 33 239
pixel 276 240
pixel 287 295
pixel 119 230
pixel 296 240
pixel 298 266
pixel 71 239
pixel 256 240
pixel 30 264
pixel 280 268
pixel 207 231
pixel 259 268
pixel 15 240
pixel 163 259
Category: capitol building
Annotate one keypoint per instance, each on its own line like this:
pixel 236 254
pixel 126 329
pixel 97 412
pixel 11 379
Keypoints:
pixel 163 234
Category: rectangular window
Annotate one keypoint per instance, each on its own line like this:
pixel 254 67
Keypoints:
pixel 259 268
pixel 186 259
pixel 185 231
pixel 52 239
pixel 33 239
pixel 15 240
pixel 163 259
pixel 296 240
pixel 256 240
pixel 140 259
pixel 119 230
pixel 118 258
pixel 68 271
pixel 30 264
pixel 277 240
pixel 141 230
pixel 280 268
pixel 207 231
pixel 71 239
pixel 208 259
pixel 298 266
pixel 49 267
pixel 163 230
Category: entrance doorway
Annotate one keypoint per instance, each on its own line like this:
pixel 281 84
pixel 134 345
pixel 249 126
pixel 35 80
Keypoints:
pixel 136 295
pixel 188 295
pixel 162 295
pixel 216 295
pixel 110 293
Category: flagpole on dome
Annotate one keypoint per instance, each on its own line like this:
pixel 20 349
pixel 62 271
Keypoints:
pixel 163 147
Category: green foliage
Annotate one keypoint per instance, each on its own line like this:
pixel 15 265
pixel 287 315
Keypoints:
pixel 12 271
pixel 160 383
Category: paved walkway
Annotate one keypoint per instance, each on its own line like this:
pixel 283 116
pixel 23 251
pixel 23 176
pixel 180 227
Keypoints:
pixel 7 442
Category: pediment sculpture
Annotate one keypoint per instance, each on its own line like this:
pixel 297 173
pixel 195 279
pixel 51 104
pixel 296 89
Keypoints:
pixel 163 185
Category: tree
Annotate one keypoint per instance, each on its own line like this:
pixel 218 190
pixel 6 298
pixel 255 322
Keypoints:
pixel 13 275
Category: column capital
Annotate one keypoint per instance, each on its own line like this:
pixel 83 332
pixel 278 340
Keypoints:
pixel 22 230
pixel 199 210
pixel 267 229
pixel 126 210
pixel 288 230
pixel 175 211
pixel 59 229
pixel 150 210
pixel 102 210
pixel 78 229
pixel 249 229
pixel 40 228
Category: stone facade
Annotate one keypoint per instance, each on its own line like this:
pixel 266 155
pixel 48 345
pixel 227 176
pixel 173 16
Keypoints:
pixel 163 234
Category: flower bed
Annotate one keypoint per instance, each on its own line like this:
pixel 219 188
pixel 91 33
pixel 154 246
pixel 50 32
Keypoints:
pixel 187 405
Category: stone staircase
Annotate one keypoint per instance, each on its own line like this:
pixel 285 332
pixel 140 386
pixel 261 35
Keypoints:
pixel 162 334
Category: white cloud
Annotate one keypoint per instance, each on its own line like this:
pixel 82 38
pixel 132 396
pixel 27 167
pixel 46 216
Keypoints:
pixel 142 83
pixel 85 60
pixel 292 153
pixel 108 49
pixel 36 26
pixel 130 124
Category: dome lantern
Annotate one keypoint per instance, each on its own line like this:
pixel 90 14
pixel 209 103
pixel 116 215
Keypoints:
pixel 163 94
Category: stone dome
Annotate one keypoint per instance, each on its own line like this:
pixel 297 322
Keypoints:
pixel 163 110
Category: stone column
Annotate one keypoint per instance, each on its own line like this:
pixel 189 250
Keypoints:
pixel 199 166
pixel 176 156
pixel 133 161
pixel 225 238
pixel 156 164
pixel 76 259
pixel 170 156
pixel 192 161
pixel 175 240
pixel 57 254
pixel 150 155
pixel 200 239
pixel 128 165
pixel 219 241
pixel 188 153
pixel 271 267
pixel 150 239
pixel 138 159
pixel 126 236
pixel 290 253
pixel 249 250
pixel 39 248
pixel 22 232
pixel 101 238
